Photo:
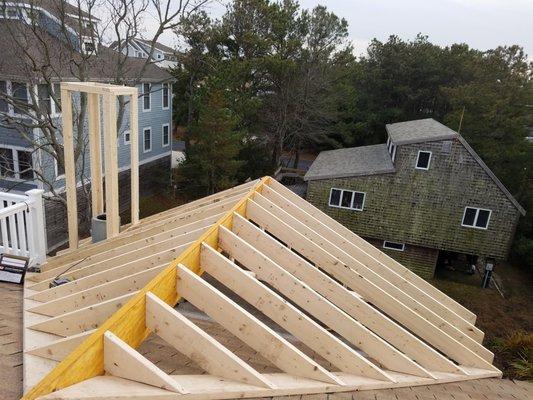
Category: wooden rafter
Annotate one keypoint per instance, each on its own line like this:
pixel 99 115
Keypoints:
pixel 373 324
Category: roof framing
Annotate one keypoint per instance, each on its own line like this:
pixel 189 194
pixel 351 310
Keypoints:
pixel 375 323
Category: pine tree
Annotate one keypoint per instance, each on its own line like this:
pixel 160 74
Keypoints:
pixel 211 162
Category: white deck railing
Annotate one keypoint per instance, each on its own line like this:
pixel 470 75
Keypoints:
pixel 22 230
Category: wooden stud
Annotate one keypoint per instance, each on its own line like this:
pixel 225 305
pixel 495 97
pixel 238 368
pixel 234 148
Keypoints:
pixel 249 329
pixel 134 157
pixel 111 166
pixel 123 361
pixel 175 329
pixel 95 144
pixel 70 167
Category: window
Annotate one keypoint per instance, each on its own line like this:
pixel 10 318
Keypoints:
pixel 392 148
pixel 147 139
pixel 3 103
pixel 423 159
pixel 45 100
pixel 25 167
pixel 166 96
pixel 166 135
pixel 88 47
pixel 20 95
pixel 146 97
pixel 347 199
pixel 16 164
pixel 7 163
pixel 127 137
pixel 476 218
pixel 393 246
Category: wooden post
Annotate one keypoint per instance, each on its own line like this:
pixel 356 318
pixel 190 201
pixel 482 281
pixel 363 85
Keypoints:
pixel 134 148
pixel 95 142
pixel 70 168
pixel 111 168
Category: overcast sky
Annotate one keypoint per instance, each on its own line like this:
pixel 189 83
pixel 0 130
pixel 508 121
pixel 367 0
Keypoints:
pixel 482 24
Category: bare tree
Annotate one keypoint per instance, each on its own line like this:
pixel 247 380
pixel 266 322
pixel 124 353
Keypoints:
pixel 38 58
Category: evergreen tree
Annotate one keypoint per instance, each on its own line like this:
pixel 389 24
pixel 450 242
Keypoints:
pixel 214 143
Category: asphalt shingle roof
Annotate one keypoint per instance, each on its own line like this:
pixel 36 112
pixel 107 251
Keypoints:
pixel 353 161
pixel 37 50
pixel 420 130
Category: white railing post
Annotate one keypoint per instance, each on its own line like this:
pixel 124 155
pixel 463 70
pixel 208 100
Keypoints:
pixel 36 232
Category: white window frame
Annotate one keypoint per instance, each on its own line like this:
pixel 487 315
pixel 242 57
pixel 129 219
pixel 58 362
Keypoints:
pixel 126 142
pixel 353 197
pixel 163 135
pixel 149 97
pixel 16 164
pixel 163 96
pixel 145 150
pixel 418 157
pixel 12 107
pixel 56 171
pixel 476 217
pixel 393 154
pixel 385 242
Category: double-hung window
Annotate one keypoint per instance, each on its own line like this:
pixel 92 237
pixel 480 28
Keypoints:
pixel 127 137
pixel 165 139
pixel 476 218
pixel 165 93
pixel 423 160
pixel 349 199
pixel 146 97
pixel 147 139
pixel 20 96
pixel 16 164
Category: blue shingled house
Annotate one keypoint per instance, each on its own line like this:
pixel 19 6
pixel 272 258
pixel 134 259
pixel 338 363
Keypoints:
pixel 29 75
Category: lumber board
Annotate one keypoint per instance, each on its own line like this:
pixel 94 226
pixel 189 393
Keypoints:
pixel 134 156
pixel 97 294
pixel 209 387
pixel 248 328
pixel 108 275
pixel 369 261
pixel 206 352
pixel 125 362
pixel 95 141
pixel 317 306
pixel 59 349
pixel 370 292
pixel 70 167
pixel 83 319
pixel 376 279
pixel 120 259
pixel 288 316
pixel 378 254
pixel 111 166
pixel 343 298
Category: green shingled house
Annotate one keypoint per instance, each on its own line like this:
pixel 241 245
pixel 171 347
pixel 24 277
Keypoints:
pixel 423 192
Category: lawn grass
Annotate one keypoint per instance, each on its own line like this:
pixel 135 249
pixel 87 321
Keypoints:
pixel 498 317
